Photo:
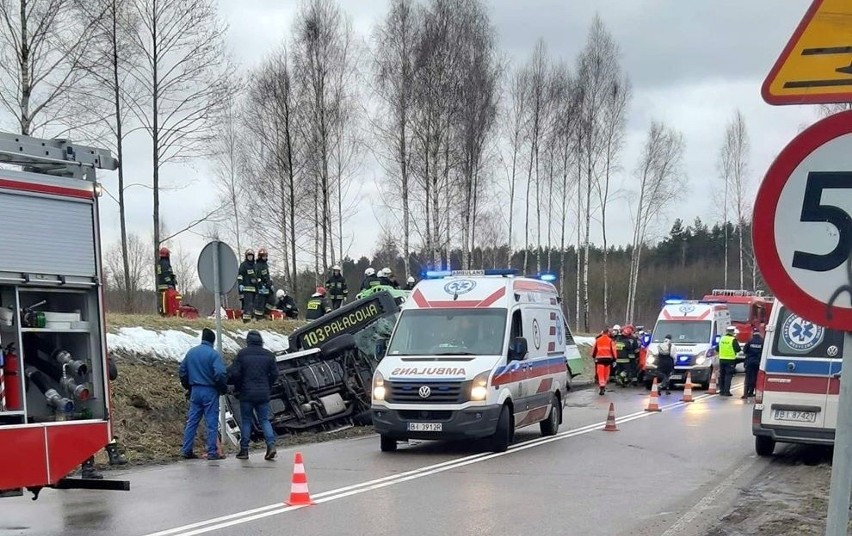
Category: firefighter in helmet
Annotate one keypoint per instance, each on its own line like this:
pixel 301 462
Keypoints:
pixel 318 305
pixel 371 280
pixel 409 285
pixel 337 289
pixel 165 280
pixel 264 300
pixel 286 304
pixel 247 284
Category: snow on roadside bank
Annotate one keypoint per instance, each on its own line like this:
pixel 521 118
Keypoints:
pixel 173 344
pixel 587 341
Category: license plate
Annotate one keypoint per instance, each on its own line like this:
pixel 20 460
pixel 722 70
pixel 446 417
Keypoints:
pixel 676 377
pixel 795 416
pixel 425 426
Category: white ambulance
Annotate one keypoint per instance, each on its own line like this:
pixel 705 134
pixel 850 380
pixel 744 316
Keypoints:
pixel 798 384
pixel 474 354
pixel 695 328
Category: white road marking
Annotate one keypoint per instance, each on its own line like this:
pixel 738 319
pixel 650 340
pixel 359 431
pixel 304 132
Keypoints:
pixel 255 514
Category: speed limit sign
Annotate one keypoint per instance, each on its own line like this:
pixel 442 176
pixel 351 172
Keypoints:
pixel 802 228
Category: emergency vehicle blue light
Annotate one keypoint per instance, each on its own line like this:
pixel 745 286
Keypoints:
pixel 673 301
pixel 547 277
pixel 436 274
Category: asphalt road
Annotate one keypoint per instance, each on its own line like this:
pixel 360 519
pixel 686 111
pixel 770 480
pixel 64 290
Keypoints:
pixel 667 473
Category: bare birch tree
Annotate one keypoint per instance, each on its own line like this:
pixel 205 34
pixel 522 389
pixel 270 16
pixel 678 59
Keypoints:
pixel 733 167
pixel 185 76
pixel 136 260
pixel 228 147
pixel 515 128
pixel 661 181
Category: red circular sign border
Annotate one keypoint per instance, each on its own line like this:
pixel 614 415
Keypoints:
pixel 765 205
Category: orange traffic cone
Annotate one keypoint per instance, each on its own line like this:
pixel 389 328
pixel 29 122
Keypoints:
pixel 299 494
pixel 653 404
pixel 711 390
pixel 687 389
pixel 610 420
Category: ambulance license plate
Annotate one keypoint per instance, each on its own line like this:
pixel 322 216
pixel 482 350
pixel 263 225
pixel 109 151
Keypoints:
pixel 676 377
pixel 795 416
pixel 425 427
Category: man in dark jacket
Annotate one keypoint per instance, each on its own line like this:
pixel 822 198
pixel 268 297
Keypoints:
pixel 317 306
pixel 370 279
pixel 247 284
pixel 263 300
pixel 624 350
pixel 336 286
pixel 665 364
pixel 753 349
pixel 253 374
pixel 286 304
pixel 202 372
pixel 165 280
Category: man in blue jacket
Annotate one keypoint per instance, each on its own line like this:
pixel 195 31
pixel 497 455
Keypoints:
pixel 253 374
pixel 203 373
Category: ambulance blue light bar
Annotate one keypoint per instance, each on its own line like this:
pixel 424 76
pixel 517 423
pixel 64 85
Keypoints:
pixel 440 274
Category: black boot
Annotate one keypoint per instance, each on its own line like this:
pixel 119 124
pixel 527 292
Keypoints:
pixel 89 472
pixel 115 456
pixel 270 453
pixel 243 454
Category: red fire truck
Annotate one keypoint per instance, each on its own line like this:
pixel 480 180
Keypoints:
pixel 54 392
pixel 749 310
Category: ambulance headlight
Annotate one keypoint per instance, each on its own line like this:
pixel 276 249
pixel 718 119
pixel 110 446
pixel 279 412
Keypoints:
pixel 479 387
pixel 702 360
pixel 651 359
pixel 378 387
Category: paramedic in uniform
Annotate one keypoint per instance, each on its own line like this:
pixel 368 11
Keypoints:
pixel 165 279
pixel 247 284
pixel 753 349
pixel 603 353
pixel 729 347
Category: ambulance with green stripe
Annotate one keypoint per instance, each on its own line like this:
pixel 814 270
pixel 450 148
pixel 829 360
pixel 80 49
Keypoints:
pixel 474 354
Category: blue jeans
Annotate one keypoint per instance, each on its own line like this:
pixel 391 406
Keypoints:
pixel 204 401
pixel 247 410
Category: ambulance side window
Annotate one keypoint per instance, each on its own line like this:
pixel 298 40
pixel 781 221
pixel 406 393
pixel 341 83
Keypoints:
pixel 569 337
pixel 517 327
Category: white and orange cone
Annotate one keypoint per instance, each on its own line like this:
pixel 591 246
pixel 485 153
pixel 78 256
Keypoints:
pixel 711 389
pixel 299 494
pixel 610 420
pixel 653 399
pixel 687 389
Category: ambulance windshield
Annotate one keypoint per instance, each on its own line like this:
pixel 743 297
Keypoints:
pixel 449 332
pixel 684 331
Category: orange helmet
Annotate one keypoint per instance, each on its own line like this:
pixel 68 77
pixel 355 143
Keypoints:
pixel 321 291
pixel 261 253
pixel 164 252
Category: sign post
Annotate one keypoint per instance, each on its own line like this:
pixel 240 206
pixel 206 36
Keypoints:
pixel 217 270
pixel 802 235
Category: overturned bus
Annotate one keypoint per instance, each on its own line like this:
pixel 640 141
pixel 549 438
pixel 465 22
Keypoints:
pixel 325 375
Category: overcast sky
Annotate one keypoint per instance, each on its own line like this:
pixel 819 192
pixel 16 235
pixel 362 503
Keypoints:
pixel 692 63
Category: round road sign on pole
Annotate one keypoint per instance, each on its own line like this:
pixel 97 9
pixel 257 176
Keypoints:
pixel 226 262
pixel 802 228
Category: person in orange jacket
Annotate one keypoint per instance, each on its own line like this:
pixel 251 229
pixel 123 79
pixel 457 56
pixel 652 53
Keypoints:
pixel 604 354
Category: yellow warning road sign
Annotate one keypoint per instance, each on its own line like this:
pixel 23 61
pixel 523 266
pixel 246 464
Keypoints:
pixel 816 65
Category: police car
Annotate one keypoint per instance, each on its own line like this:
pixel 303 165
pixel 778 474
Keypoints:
pixel 798 385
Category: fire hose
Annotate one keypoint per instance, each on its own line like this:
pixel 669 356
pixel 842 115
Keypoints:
pixel 54 399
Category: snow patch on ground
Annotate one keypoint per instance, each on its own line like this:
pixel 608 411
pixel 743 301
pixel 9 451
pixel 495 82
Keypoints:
pixel 274 342
pixel 587 341
pixel 169 344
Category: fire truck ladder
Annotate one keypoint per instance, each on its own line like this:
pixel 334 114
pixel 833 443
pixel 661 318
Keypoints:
pixel 58 158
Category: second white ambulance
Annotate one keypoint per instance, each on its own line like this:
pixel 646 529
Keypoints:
pixel 474 355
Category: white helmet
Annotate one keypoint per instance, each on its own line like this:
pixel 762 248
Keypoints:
pixel 369 271
pixel 616 327
pixel 280 293
pixel 387 272
pixel 411 279
pixel 336 268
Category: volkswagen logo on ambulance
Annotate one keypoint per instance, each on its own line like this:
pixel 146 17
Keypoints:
pixel 425 391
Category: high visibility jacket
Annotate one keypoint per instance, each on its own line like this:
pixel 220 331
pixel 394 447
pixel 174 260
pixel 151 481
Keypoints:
pixel 336 287
pixel 604 348
pixel 728 347
pixel 247 277
pixel 316 307
pixel 624 348
pixel 165 275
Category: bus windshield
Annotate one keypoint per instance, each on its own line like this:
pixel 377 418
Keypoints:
pixel 449 332
pixel 683 331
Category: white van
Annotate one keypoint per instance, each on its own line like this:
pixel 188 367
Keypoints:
pixel 474 354
pixel 798 385
pixel 696 328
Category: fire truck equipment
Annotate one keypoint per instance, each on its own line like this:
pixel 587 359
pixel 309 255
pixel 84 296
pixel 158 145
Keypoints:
pixel 80 392
pixel 14 400
pixel 54 399
pixel 66 360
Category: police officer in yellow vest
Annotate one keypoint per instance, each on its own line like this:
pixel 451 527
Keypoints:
pixel 729 347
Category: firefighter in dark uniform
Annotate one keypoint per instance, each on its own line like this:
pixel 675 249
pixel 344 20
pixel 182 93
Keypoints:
pixel 265 291
pixel 286 304
pixel 624 349
pixel 247 284
pixel 409 285
pixel 318 305
pixel 337 289
pixel 371 280
pixel 165 280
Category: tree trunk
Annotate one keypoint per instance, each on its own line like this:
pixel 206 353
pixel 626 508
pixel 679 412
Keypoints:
pixel 512 204
pixel 26 83
pixel 742 269
pixel 155 129
pixel 406 215
pixel 122 214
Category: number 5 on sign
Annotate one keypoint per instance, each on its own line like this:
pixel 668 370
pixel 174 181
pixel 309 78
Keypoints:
pixel 803 224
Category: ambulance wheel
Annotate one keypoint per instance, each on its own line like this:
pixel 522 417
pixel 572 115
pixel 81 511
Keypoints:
pixel 550 426
pixel 764 446
pixel 503 435
pixel 388 444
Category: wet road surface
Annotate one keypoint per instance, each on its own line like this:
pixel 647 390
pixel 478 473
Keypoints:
pixel 661 473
